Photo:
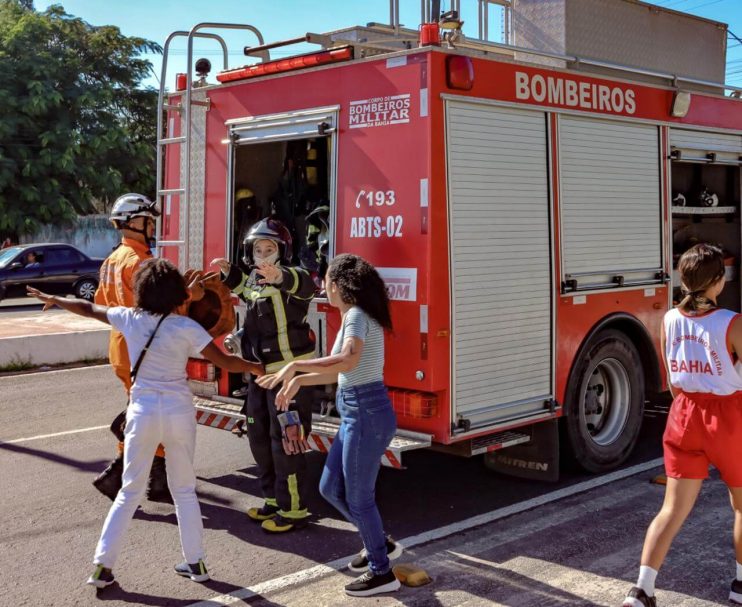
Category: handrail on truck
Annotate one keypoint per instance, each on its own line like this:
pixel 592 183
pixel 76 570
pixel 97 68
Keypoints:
pixel 186 109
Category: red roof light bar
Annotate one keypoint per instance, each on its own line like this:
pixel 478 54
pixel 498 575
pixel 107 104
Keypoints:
pixel 287 65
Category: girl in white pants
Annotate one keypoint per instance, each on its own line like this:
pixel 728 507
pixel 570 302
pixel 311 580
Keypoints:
pixel 160 409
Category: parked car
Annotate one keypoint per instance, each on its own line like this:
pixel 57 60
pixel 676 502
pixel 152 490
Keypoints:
pixel 54 268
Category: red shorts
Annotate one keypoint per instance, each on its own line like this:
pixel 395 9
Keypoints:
pixel 704 429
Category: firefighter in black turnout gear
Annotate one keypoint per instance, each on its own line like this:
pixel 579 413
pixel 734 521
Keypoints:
pixel 275 332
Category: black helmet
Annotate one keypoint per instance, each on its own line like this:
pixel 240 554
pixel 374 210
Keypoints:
pixel 268 229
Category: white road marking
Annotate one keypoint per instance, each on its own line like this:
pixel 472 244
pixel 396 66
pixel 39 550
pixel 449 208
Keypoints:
pixel 41 369
pixel 319 571
pixel 40 436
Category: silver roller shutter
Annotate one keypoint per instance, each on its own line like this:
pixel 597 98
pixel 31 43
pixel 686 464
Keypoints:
pixel 611 230
pixel 500 262
pixel 283 127
pixel 716 147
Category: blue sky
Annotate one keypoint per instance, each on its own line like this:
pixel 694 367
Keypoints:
pixel 282 19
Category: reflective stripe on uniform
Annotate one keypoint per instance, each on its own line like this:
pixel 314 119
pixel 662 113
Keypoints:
pixel 281 326
pixel 278 365
pixel 293 289
pixel 241 286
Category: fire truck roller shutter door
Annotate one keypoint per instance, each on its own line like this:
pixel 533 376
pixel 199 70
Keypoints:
pixel 500 262
pixel 611 216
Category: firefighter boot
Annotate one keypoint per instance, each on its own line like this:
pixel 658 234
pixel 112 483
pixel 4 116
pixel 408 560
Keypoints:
pixel 157 489
pixel 108 482
pixel 283 524
pixel 265 512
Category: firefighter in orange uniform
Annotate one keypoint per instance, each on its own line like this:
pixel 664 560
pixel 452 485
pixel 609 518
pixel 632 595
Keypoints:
pixel 134 216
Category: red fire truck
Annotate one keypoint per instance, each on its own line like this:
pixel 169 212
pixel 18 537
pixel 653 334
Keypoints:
pixel 523 200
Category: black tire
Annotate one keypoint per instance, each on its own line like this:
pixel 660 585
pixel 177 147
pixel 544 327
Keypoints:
pixel 604 405
pixel 85 288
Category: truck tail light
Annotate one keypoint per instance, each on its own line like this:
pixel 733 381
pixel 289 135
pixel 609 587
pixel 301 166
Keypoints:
pixel 409 403
pixel 200 370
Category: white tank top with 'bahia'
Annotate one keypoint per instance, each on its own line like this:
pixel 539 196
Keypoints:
pixel 696 352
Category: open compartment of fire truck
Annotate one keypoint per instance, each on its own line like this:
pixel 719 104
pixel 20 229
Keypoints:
pixel 705 176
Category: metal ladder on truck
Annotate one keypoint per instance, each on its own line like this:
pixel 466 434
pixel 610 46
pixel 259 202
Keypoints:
pixel 184 139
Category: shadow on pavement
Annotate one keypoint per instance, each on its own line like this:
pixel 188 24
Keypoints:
pixel 117 593
pixel 92 466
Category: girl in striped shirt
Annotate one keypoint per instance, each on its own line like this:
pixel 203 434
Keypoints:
pixel 368 422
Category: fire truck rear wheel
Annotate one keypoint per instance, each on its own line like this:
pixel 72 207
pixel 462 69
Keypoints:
pixel 605 402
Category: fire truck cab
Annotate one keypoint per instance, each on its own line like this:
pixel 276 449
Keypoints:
pixel 525 202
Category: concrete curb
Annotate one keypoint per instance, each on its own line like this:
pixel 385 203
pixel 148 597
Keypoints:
pixel 55 348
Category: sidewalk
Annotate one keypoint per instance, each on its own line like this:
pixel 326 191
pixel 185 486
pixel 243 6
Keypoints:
pixel 53 337
pixel 583 550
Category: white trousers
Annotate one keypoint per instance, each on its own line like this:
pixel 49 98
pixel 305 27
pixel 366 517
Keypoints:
pixel 154 418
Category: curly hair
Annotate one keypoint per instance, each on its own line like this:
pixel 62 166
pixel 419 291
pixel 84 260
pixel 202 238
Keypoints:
pixel 700 267
pixel 158 287
pixel 360 284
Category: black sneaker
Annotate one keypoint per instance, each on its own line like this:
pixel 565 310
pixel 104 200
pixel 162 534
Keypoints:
pixel 196 571
pixel 735 594
pixel 360 563
pixel 369 584
pixel 101 577
pixel 638 598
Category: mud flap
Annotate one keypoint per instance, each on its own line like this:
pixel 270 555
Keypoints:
pixel 535 460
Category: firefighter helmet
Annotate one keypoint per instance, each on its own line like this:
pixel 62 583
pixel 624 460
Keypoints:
pixel 128 206
pixel 268 229
pixel 708 199
pixel 243 193
pixel 319 222
pixel 679 200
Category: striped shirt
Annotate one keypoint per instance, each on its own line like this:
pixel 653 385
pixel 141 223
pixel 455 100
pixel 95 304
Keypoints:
pixel 356 323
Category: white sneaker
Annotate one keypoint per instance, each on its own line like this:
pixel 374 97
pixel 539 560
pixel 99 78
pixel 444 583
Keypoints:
pixel 196 571
pixel 101 577
pixel 393 551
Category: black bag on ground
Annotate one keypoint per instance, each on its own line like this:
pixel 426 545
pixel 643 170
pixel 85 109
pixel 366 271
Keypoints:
pixel 109 481
pixel 117 426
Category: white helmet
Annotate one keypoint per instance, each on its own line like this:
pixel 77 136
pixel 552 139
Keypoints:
pixel 708 199
pixel 128 206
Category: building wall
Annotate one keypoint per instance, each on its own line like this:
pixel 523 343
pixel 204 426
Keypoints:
pixel 94 235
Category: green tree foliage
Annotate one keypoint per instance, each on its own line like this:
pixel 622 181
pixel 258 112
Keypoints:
pixel 75 124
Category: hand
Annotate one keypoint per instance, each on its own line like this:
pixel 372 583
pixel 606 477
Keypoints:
pixel 194 280
pixel 47 299
pixel 286 394
pixel 284 375
pixel 271 274
pixel 266 381
pixel 294 442
pixel 222 263
pixel 255 369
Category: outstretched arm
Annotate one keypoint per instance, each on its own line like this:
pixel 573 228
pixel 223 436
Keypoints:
pixel 76 306
pixel 291 387
pixel 347 360
pixel 232 363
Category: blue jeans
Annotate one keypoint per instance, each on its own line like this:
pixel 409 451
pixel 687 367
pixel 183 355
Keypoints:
pixel 348 480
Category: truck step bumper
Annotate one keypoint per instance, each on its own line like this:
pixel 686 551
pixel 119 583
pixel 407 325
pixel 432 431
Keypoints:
pixel 224 415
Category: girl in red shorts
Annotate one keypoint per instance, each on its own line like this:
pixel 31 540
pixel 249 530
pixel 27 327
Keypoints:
pixel 701 343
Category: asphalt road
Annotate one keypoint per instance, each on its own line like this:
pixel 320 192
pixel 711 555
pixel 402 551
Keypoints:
pixel 52 516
